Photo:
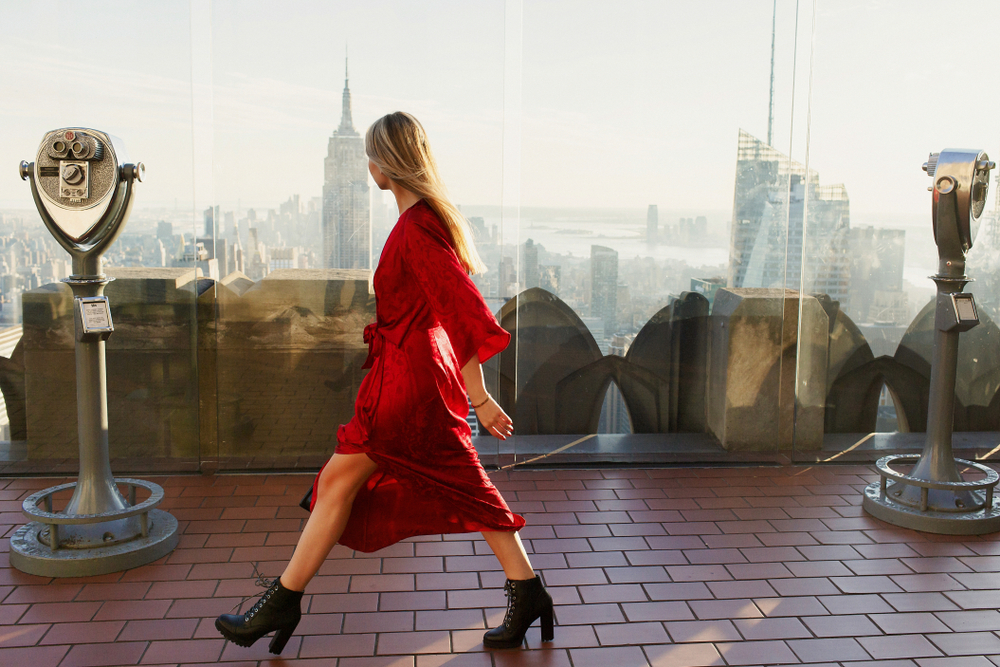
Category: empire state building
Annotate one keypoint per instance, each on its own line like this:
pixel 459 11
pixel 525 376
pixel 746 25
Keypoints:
pixel 347 230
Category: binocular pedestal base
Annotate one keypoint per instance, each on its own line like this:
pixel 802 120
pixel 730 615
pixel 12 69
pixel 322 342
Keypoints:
pixel 976 512
pixel 31 553
pixel 980 522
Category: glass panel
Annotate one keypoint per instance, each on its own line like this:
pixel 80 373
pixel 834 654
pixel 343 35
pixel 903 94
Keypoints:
pixel 615 419
pixel 296 221
pixel 59 73
pixel 879 331
pixel 888 419
pixel 587 145
pixel 632 264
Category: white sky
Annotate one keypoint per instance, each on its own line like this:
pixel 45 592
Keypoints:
pixel 622 103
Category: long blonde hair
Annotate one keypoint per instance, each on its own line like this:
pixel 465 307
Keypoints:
pixel 397 144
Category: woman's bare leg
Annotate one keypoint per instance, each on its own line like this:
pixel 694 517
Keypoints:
pixel 510 552
pixel 338 485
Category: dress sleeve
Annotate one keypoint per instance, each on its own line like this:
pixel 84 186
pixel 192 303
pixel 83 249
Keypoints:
pixel 453 297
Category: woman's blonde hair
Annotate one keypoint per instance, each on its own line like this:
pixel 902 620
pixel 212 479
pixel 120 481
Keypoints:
pixel 397 144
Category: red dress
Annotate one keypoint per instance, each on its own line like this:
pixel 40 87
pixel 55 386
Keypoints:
pixel 410 414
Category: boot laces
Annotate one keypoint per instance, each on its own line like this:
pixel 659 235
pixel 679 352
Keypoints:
pixel 511 593
pixel 259 580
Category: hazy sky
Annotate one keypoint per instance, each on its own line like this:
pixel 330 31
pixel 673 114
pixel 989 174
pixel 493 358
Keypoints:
pixel 611 104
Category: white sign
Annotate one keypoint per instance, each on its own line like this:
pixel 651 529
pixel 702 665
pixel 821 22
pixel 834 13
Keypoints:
pixel 966 309
pixel 96 314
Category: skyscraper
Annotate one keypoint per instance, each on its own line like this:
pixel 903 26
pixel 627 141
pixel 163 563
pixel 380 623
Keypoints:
pixel 604 287
pixel 549 278
pixel 347 230
pixel 211 216
pixel 531 274
pixel 876 259
pixel 772 241
pixel 165 230
pixel 652 222
pixel 984 263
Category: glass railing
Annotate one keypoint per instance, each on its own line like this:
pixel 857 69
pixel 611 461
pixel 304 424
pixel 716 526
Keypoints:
pixel 707 232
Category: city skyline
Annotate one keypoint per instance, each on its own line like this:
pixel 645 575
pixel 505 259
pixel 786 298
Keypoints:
pixel 244 111
pixel 644 129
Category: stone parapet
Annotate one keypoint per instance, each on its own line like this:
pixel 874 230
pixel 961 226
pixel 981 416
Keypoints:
pixel 202 370
pixel 237 373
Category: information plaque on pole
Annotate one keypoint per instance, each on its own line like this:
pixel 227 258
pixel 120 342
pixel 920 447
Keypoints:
pixel 83 186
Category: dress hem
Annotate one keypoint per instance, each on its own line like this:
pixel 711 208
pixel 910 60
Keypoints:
pixel 386 468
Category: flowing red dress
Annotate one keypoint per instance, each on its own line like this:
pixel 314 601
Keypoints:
pixel 410 414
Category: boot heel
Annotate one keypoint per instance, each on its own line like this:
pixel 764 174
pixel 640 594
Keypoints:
pixel 279 640
pixel 548 631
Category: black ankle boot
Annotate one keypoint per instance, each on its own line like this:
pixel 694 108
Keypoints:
pixel 277 609
pixel 526 601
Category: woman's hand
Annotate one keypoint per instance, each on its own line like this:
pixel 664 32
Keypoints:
pixel 494 419
pixel 491 415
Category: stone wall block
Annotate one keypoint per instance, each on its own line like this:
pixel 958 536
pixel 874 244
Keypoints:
pixel 752 370
pixel 288 356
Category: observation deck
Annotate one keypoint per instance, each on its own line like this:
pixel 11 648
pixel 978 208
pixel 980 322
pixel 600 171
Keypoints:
pixel 647 566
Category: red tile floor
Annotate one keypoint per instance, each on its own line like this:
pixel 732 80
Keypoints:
pixel 676 566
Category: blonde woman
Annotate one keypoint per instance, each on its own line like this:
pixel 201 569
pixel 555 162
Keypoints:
pixel 405 464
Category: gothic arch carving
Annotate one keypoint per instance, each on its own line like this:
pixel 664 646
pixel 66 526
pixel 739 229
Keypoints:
pixel 556 343
pixel 852 403
pixel 579 396
pixel 673 345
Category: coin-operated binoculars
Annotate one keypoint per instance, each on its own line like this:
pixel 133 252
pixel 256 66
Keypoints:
pixel 82 184
pixel 934 497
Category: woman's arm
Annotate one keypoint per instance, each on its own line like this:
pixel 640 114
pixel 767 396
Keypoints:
pixel 452 296
pixel 490 414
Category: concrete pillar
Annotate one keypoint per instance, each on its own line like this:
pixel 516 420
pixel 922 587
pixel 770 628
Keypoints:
pixel 755 358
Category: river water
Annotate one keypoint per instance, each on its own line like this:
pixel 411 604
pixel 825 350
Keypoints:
pixel 574 236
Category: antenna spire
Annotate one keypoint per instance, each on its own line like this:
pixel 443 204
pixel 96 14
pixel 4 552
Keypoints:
pixel 770 104
pixel 346 122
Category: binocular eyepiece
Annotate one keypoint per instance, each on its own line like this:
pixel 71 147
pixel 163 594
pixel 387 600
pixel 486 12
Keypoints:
pixel 76 143
pixel 961 183
pixel 82 183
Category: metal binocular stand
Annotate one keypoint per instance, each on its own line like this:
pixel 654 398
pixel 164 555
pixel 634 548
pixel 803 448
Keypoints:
pixel 933 496
pixel 83 186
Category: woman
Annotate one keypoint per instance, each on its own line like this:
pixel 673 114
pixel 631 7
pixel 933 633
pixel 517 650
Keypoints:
pixel 405 464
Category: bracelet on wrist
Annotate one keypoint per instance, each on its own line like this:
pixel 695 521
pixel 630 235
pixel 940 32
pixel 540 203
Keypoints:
pixel 485 401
